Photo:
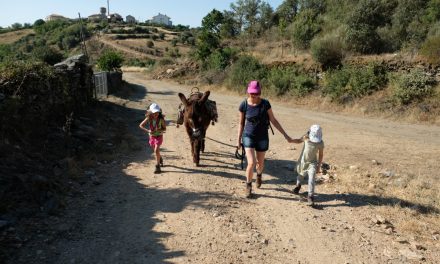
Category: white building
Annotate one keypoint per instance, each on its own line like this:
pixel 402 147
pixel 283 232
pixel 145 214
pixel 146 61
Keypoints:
pixel 55 17
pixel 161 19
pixel 130 19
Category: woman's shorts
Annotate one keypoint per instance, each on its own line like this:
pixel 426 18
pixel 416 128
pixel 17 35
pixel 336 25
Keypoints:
pixel 261 144
pixel 155 141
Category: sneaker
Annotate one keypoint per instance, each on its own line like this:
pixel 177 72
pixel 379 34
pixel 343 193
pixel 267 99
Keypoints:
pixel 157 170
pixel 248 189
pixel 259 180
pixel 310 200
pixel 296 189
pixel 161 161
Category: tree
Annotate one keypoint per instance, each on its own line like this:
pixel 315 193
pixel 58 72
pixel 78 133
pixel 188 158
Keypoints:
pixel 206 43
pixel 305 27
pixel 362 24
pixel 110 61
pixel 266 16
pixel 287 10
pixel 282 25
pixel 39 22
pixel 16 26
pixel 230 27
pixel 247 14
pixel 213 21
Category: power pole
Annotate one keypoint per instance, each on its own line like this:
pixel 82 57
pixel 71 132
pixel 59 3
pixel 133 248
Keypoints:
pixel 83 41
pixel 108 8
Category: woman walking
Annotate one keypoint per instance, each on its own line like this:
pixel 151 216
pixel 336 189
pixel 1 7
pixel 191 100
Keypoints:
pixel 254 120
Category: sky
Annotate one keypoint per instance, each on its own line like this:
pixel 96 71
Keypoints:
pixel 185 12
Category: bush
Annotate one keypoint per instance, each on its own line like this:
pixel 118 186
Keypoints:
pixel 47 55
pixel 328 51
pixel 431 50
pixel 140 62
pixel 165 61
pixel 354 82
pixel 302 85
pixel 150 44
pixel 246 68
pixel 289 80
pixel 221 59
pixel 110 61
pixel 412 87
pixel 280 80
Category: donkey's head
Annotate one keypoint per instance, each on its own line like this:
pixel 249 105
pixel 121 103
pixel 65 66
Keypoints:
pixel 196 114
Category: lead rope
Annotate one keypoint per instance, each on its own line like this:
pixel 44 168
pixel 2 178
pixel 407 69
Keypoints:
pixel 240 156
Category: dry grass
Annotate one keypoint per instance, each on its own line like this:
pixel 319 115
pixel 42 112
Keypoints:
pixel 11 37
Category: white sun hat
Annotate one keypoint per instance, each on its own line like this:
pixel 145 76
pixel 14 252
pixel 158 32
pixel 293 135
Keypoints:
pixel 154 108
pixel 315 133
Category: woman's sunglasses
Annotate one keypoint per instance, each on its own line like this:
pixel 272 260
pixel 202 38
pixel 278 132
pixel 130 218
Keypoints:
pixel 255 94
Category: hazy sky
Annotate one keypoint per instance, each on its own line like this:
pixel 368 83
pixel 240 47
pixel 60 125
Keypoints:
pixel 185 12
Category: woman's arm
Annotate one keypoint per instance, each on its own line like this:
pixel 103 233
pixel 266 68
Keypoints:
pixel 240 128
pixel 277 125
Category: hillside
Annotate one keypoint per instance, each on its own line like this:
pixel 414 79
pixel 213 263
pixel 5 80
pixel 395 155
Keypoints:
pixel 14 36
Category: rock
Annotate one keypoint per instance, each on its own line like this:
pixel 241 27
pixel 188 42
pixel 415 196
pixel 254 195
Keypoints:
pixel 353 167
pixel 410 255
pixel 387 173
pixel 375 162
pixel 418 246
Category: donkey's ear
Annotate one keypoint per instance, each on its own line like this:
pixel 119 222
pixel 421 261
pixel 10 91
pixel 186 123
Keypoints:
pixel 204 97
pixel 183 99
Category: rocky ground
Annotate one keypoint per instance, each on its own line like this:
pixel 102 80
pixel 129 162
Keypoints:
pixel 199 214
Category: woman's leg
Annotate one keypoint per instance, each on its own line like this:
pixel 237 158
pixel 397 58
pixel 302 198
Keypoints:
pixel 260 161
pixel 251 162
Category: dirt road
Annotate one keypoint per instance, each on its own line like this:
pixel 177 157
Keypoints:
pixel 193 214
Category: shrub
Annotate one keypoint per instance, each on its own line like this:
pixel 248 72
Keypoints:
pixel 246 68
pixel 140 62
pixel 221 59
pixel 165 61
pixel 150 44
pixel 354 82
pixel 328 51
pixel 289 80
pixel 412 87
pixel 302 85
pixel 431 49
pixel 47 55
pixel 110 61
pixel 280 79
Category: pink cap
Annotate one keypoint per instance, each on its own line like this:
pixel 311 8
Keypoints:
pixel 254 87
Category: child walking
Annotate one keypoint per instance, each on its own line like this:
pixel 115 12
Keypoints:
pixel 154 125
pixel 310 160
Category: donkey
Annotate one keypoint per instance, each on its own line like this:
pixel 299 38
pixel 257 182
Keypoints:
pixel 196 120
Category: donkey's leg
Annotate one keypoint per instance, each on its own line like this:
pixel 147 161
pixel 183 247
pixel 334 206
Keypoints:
pixel 197 146
pixel 202 148
pixel 193 150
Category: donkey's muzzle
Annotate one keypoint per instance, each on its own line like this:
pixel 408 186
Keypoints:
pixel 197 133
